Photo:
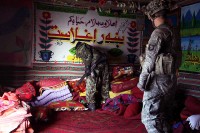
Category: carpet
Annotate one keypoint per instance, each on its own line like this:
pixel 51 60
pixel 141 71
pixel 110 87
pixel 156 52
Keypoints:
pixel 89 122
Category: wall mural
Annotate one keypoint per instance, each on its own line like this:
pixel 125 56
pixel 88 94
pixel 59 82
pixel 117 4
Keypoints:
pixel 58 29
pixel 16 33
pixel 190 38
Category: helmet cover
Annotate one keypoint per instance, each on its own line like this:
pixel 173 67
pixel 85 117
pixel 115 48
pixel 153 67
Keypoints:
pixel 156 6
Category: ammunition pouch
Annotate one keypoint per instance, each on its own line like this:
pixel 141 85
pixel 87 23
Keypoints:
pixel 164 64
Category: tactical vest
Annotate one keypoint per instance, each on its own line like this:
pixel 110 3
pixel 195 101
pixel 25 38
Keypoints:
pixel 165 61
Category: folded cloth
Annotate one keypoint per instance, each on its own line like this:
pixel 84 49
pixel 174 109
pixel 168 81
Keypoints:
pixel 115 103
pixel 194 121
pixel 11 121
pixel 7 101
pixel 50 95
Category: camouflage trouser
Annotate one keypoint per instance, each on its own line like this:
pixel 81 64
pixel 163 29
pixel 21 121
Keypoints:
pixel 97 84
pixel 157 105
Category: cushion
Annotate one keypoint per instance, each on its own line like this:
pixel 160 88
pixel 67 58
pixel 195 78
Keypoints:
pixel 123 84
pixel 136 92
pixel 192 104
pixel 133 109
pixel 26 92
pixel 192 107
pixel 122 70
pixel 49 82
pixel 80 88
pixel 69 105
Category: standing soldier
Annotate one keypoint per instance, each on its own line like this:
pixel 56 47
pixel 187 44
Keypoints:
pixel 158 75
pixel 96 73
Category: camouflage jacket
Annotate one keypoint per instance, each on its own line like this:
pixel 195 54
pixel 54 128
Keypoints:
pixel 88 54
pixel 159 42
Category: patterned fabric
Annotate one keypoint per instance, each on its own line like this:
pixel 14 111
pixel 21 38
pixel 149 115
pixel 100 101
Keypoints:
pixel 67 105
pixel 80 88
pixel 49 82
pixel 26 92
pixel 123 84
pixel 8 100
pixel 13 117
pixel 50 95
pixel 114 103
pixel 120 71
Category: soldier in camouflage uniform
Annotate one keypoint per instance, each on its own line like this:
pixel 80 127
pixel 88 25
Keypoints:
pixel 158 85
pixel 97 74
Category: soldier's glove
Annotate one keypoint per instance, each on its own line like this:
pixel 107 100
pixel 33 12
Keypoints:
pixel 194 121
pixel 87 70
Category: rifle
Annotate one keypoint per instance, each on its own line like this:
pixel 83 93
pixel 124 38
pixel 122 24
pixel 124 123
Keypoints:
pixel 101 59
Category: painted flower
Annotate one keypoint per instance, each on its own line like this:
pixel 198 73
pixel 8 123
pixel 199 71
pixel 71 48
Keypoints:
pixel 133 24
pixel 46 15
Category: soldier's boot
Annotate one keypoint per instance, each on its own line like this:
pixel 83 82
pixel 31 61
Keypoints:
pixel 91 106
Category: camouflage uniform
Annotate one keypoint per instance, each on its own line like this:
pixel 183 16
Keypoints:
pixel 97 83
pixel 159 94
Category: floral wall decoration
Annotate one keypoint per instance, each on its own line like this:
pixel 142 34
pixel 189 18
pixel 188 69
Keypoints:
pixel 133 42
pixel 58 30
pixel 45 44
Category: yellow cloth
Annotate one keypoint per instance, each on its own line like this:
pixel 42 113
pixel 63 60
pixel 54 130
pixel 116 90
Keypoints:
pixel 112 94
pixel 82 93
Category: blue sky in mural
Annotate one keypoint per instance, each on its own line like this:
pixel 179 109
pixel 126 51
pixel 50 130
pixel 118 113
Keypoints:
pixel 195 41
pixel 192 8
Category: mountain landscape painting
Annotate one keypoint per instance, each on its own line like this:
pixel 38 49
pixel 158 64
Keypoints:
pixel 190 38
pixel 190 20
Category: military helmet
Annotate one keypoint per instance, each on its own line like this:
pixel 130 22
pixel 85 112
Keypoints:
pixel 155 6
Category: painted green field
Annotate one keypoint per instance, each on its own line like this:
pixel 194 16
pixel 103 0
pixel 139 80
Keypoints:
pixel 190 63
pixel 190 32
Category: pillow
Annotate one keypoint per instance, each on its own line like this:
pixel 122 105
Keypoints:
pixel 80 88
pixel 49 82
pixel 123 84
pixel 122 70
pixel 192 104
pixel 136 92
pixel 26 92
pixel 192 107
pixel 69 105
pixel 133 110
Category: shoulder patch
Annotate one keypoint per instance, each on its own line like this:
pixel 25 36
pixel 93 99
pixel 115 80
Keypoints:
pixel 151 47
